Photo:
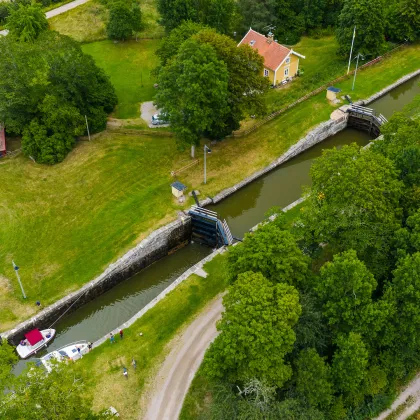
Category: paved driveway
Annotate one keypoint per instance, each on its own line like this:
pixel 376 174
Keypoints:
pixel 147 110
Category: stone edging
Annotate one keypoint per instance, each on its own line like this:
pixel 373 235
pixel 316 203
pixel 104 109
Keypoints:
pixel 161 295
pixel 149 250
pixel 318 134
pixel 389 88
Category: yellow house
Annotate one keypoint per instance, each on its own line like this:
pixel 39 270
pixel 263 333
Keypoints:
pixel 280 62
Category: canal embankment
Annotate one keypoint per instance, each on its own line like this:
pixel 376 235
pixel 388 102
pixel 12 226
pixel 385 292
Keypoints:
pixel 251 200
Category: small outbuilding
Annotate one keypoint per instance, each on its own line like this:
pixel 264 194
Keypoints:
pixel 332 93
pixel 178 189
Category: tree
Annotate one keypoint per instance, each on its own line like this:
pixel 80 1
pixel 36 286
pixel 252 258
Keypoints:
pixel 193 91
pixel 219 14
pixel 257 14
pixel 123 20
pixel 402 330
pixel 274 253
pixel 58 395
pixel 174 12
pixel 313 378
pixel 403 20
pixel 349 366
pixel 354 204
pixel 369 19
pixel 256 331
pixel 51 85
pixel 26 22
pixel 49 139
pixel 345 288
pixel 244 65
pixel 8 358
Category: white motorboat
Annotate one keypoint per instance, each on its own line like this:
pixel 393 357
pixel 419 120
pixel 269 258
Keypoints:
pixel 34 340
pixel 70 352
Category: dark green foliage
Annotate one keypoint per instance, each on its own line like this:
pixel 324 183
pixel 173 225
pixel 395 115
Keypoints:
pixel 272 252
pixel 193 91
pixel 26 22
pixel 4 12
pixel 219 14
pixel 313 378
pixel 243 66
pixel 51 86
pixel 403 20
pixel 369 18
pixel 123 20
pixel 8 358
pixel 256 331
pixel 354 204
pixel 257 14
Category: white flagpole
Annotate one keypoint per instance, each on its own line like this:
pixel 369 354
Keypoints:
pixel 351 50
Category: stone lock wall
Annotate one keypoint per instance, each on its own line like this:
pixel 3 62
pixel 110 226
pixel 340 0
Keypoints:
pixel 156 246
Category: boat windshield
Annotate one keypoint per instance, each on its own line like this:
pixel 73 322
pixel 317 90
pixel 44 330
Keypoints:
pixel 63 353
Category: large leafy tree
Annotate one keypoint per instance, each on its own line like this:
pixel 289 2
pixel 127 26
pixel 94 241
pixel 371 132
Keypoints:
pixel 8 358
pixel 257 14
pixel 58 395
pixel 402 333
pixel 403 20
pixel 193 91
pixel 369 18
pixel 272 252
pixel 123 20
pixel 26 22
pixel 349 366
pixel 50 86
pixel 244 66
pixel 345 288
pixel 313 378
pixel 354 204
pixel 256 331
pixel 401 144
pixel 219 14
pixel 174 12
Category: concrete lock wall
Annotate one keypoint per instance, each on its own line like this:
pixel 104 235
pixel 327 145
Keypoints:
pixel 156 246
pixel 315 136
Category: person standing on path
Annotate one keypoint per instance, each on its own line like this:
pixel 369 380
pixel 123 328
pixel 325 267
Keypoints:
pixel 89 345
pixel 111 338
pixel 125 372
pixel 121 334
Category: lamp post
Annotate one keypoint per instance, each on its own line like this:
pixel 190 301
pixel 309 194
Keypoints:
pixel 206 150
pixel 16 268
pixel 351 49
pixel 355 72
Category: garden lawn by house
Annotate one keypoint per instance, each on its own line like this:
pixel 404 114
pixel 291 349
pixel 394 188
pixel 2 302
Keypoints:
pixel 69 221
pixel 102 368
pixel 86 23
pixel 320 66
pixel 129 65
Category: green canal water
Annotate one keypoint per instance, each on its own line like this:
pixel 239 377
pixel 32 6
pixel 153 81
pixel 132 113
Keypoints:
pixel 242 210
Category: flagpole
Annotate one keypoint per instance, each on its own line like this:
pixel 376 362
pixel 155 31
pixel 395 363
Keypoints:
pixel 351 50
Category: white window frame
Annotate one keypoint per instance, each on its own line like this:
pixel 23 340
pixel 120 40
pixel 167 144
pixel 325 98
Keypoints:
pixel 288 60
pixel 286 72
pixel 266 73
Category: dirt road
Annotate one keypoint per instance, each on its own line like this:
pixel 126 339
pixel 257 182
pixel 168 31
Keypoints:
pixel 178 370
pixel 413 391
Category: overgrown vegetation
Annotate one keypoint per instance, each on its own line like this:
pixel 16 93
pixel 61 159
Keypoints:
pixel 352 335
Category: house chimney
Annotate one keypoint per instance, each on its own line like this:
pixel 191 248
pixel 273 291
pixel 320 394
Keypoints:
pixel 270 37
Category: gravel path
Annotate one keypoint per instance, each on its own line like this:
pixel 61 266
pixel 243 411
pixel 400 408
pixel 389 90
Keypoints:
pixel 57 11
pixel 177 372
pixel 413 390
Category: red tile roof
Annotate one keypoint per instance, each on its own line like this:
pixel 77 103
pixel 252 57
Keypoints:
pixel 273 53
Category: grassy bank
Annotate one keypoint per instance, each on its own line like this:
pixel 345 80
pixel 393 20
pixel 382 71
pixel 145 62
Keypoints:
pixel 102 368
pixel 128 65
pixel 86 23
pixel 69 221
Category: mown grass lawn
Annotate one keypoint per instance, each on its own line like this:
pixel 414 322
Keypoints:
pixel 65 223
pixel 87 23
pixel 102 368
pixel 320 66
pixel 129 65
